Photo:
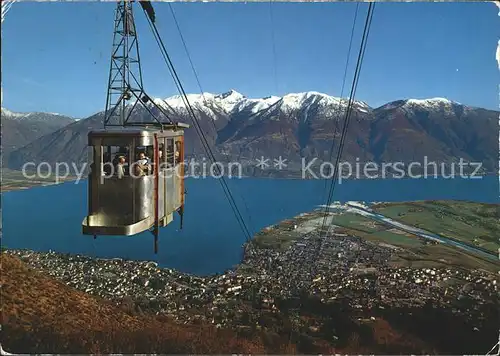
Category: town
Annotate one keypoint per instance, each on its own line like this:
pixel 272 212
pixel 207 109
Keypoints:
pixel 272 284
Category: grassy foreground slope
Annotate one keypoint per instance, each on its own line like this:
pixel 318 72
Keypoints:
pixel 42 315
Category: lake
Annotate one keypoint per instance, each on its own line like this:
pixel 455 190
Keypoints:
pixel 44 218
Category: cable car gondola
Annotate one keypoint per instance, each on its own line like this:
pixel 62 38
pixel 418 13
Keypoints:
pixel 136 180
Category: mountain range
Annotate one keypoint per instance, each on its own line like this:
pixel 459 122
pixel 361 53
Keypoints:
pixel 295 126
pixel 19 129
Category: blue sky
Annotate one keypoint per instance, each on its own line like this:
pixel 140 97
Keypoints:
pixel 55 55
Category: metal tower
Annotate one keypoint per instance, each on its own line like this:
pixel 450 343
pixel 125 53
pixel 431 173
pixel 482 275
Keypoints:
pixel 125 85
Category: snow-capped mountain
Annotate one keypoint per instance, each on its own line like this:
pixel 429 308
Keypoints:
pixel 437 105
pixel 233 102
pixel 305 125
pixel 35 116
pixel 19 129
pixel 235 105
pixel 227 102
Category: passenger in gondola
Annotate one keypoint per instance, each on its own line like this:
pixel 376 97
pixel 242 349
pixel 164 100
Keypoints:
pixel 107 163
pixel 177 152
pixel 160 154
pixel 120 167
pixel 143 160
pixel 142 166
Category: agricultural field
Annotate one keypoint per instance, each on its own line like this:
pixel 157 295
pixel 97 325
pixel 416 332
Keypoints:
pixel 476 224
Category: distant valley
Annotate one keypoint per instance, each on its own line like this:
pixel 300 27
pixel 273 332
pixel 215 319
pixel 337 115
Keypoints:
pixel 295 126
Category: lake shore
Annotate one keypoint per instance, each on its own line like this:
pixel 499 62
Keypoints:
pixel 15 180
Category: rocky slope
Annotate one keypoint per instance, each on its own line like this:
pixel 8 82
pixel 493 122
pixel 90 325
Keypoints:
pixel 304 125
